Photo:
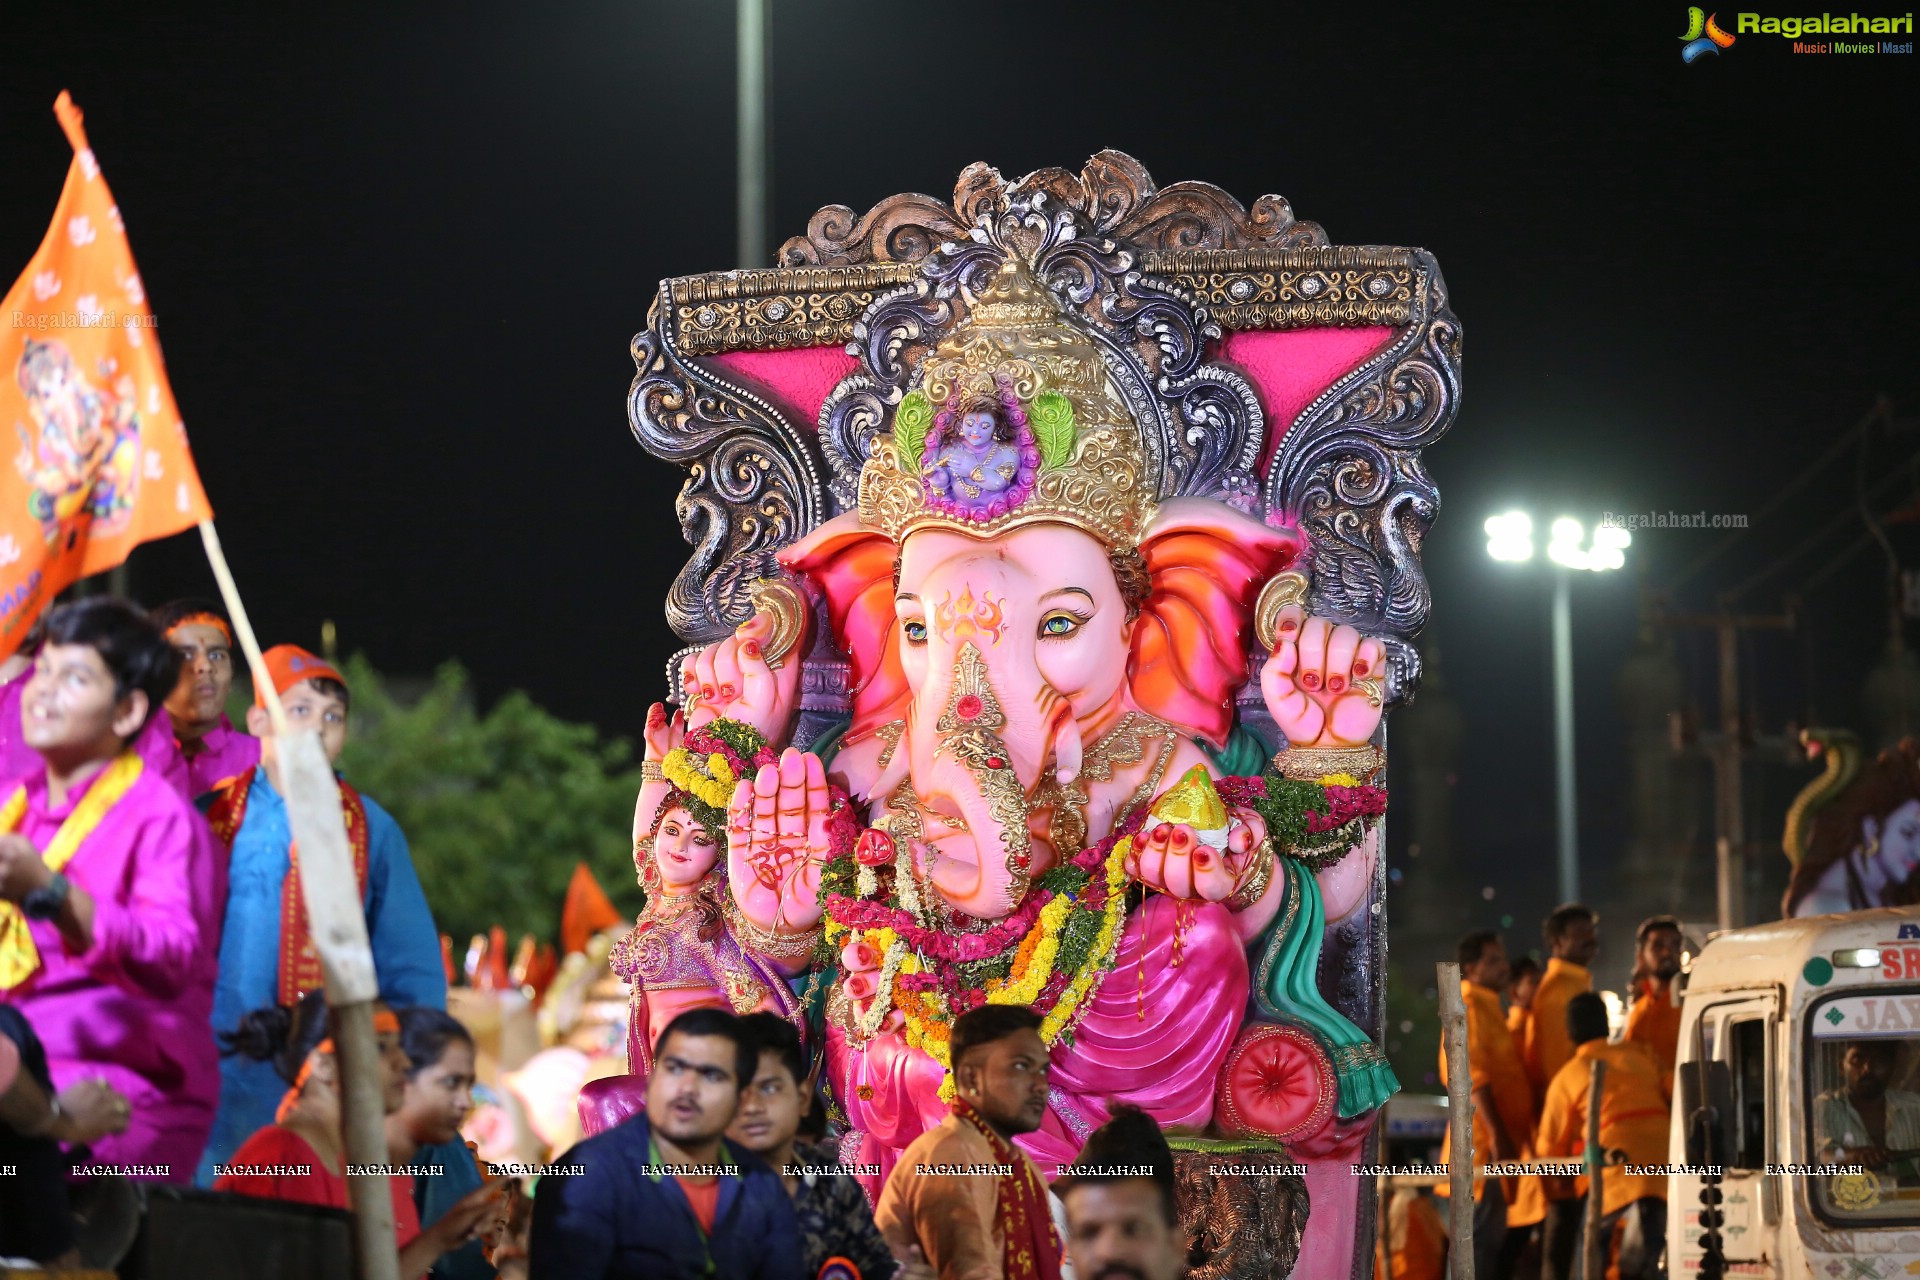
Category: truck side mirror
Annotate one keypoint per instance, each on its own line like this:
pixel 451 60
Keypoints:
pixel 1706 1100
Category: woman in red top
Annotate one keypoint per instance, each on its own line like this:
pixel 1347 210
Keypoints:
pixel 300 1157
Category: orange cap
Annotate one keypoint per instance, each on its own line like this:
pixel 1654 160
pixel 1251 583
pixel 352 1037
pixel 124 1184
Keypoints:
pixel 289 664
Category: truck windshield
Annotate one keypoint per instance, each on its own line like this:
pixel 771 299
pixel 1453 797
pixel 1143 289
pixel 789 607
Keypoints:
pixel 1863 1083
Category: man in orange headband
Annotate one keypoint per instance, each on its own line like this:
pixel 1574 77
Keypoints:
pixel 266 954
pixel 214 749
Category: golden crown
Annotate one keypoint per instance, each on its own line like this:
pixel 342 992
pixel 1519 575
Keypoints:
pixel 1014 422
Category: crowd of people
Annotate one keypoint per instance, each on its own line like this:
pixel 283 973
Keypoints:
pixel 1532 1063
pixel 161 1021
pixel 160 1013
pixel 717 1176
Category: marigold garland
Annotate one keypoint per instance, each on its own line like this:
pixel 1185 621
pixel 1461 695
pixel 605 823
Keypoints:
pixel 1053 950
pixel 710 761
pixel 1071 924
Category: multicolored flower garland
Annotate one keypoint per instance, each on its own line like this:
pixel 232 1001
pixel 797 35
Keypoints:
pixel 1047 955
pixel 1058 944
pixel 1312 822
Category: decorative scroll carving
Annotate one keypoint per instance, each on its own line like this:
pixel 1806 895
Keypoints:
pixel 1243 1219
pixel 904 228
pixel 1113 196
pixel 1202 424
pixel 1349 470
pixel 754 484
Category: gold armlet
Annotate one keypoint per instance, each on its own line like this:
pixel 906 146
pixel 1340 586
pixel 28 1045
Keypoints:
pixel 650 771
pixel 1310 764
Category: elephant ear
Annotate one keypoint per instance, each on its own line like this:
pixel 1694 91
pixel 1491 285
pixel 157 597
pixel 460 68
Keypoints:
pixel 853 567
pixel 1052 418
pixel 910 428
pixel 1207 564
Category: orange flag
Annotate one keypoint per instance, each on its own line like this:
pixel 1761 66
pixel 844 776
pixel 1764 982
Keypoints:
pixel 102 462
pixel 586 913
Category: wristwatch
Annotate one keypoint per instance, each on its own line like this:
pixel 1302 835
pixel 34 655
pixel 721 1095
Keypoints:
pixel 45 902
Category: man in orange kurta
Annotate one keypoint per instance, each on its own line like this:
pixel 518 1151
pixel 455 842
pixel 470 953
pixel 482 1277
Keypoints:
pixel 1654 1019
pixel 1634 1101
pixel 1502 1098
pixel 1572 935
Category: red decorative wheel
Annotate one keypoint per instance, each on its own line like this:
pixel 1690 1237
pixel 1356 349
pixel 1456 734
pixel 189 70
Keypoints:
pixel 1277 1082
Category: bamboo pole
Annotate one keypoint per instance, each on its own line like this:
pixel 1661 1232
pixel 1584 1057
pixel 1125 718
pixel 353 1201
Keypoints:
pixel 1460 1153
pixel 1383 1193
pixel 1590 1252
pixel 339 929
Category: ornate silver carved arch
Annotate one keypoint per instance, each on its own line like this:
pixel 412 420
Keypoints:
pixel 1160 275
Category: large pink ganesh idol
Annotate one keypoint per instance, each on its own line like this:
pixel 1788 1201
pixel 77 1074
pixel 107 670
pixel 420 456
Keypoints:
pixel 1042 656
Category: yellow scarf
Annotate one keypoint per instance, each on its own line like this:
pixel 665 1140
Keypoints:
pixel 19 958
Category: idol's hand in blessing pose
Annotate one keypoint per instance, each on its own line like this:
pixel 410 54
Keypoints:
pixel 777 841
pixel 663 734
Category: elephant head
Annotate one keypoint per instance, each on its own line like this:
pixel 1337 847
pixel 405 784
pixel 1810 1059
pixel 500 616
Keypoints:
pixel 990 662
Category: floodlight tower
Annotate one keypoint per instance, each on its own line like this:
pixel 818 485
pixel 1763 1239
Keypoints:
pixel 1510 540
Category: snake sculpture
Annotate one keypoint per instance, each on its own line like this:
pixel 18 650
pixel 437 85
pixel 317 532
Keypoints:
pixel 1842 750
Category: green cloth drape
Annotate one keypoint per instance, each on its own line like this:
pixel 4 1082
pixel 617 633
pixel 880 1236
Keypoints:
pixel 1285 988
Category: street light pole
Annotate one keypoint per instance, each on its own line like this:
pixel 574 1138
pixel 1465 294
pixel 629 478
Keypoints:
pixel 1566 800
pixel 1510 539
pixel 753 179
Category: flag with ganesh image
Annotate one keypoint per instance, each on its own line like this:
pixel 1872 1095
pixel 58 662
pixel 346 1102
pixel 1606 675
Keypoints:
pixel 98 454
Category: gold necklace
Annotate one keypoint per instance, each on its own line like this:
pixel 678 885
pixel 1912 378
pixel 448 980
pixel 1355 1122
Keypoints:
pixel 1124 744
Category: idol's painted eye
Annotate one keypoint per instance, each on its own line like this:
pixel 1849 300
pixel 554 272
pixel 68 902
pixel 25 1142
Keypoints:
pixel 1060 623
pixel 914 630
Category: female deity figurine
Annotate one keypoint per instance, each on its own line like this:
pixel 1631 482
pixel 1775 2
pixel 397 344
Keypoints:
pixel 690 947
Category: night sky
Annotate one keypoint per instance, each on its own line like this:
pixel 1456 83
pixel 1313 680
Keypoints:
pixel 397 255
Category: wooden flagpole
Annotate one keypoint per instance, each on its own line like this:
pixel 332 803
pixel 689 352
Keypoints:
pixel 339 928
pixel 1591 1249
pixel 1460 1152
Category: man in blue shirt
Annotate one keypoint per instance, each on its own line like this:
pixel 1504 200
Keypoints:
pixel 663 1196
pixel 266 956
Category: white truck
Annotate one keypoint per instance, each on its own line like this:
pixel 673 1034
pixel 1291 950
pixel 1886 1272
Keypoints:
pixel 1795 1146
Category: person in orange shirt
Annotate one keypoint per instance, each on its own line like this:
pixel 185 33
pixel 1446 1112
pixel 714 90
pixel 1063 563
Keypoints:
pixel 1654 1019
pixel 1525 980
pixel 1416 1244
pixel 1572 935
pixel 1502 1098
pixel 1634 1101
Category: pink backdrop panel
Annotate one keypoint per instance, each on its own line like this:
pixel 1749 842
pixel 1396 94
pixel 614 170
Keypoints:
pixel 1289 367
pixel 798 380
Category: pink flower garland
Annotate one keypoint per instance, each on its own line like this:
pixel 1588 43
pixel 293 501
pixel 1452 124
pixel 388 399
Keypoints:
pixel 1344 804
pixel 932 943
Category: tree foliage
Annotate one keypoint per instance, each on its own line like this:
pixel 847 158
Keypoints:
pixel 498 808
